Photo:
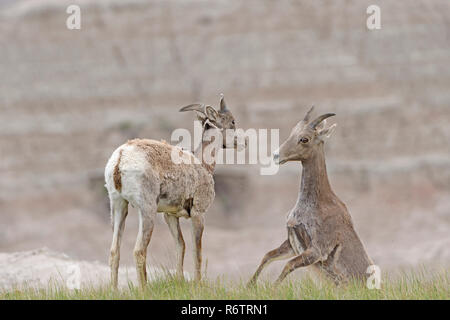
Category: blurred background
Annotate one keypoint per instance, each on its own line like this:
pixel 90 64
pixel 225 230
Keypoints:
pixel 68 98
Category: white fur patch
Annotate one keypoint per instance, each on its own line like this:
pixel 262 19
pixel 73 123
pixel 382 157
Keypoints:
pixel 109 171
pixel 133 167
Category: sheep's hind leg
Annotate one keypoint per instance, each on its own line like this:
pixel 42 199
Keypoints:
pixel 174 226
pixel 146 223
pixel 119 211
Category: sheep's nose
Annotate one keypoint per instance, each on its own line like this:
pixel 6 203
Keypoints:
pixel 276 157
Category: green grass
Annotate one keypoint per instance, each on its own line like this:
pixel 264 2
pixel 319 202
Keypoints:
pixel 407 285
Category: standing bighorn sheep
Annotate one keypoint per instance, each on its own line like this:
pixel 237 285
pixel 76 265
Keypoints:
pixel 141 173
pixel 319 228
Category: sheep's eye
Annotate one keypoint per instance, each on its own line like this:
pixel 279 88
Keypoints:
pixel 304 140
pixel 232 122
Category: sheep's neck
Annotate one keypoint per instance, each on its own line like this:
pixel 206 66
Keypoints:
pixel 315 186
pixel 207 151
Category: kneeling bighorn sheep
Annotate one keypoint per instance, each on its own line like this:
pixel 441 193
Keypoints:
pixel 319 228
pixel 142 173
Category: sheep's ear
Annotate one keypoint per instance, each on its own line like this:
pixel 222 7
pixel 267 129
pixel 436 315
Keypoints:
pixel 326 133
pixel 201 117
pixel 211 113
pixel 321 125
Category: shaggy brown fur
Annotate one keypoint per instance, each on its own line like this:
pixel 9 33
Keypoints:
pixel 117 174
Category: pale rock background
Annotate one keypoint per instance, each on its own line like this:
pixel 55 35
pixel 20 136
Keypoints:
pixel 69 98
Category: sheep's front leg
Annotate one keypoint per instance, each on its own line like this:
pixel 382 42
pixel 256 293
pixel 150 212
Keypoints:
pixel 284 251
pixel 174 225
pixel 308 257
pixel 197 232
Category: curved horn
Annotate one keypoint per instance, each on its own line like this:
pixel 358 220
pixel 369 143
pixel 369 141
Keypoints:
pixel 319 119
pixel 308 114
pixel 194 107
pixel 223 105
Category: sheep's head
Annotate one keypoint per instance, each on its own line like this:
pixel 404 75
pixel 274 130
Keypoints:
pixel 221 119
pixel 305 138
